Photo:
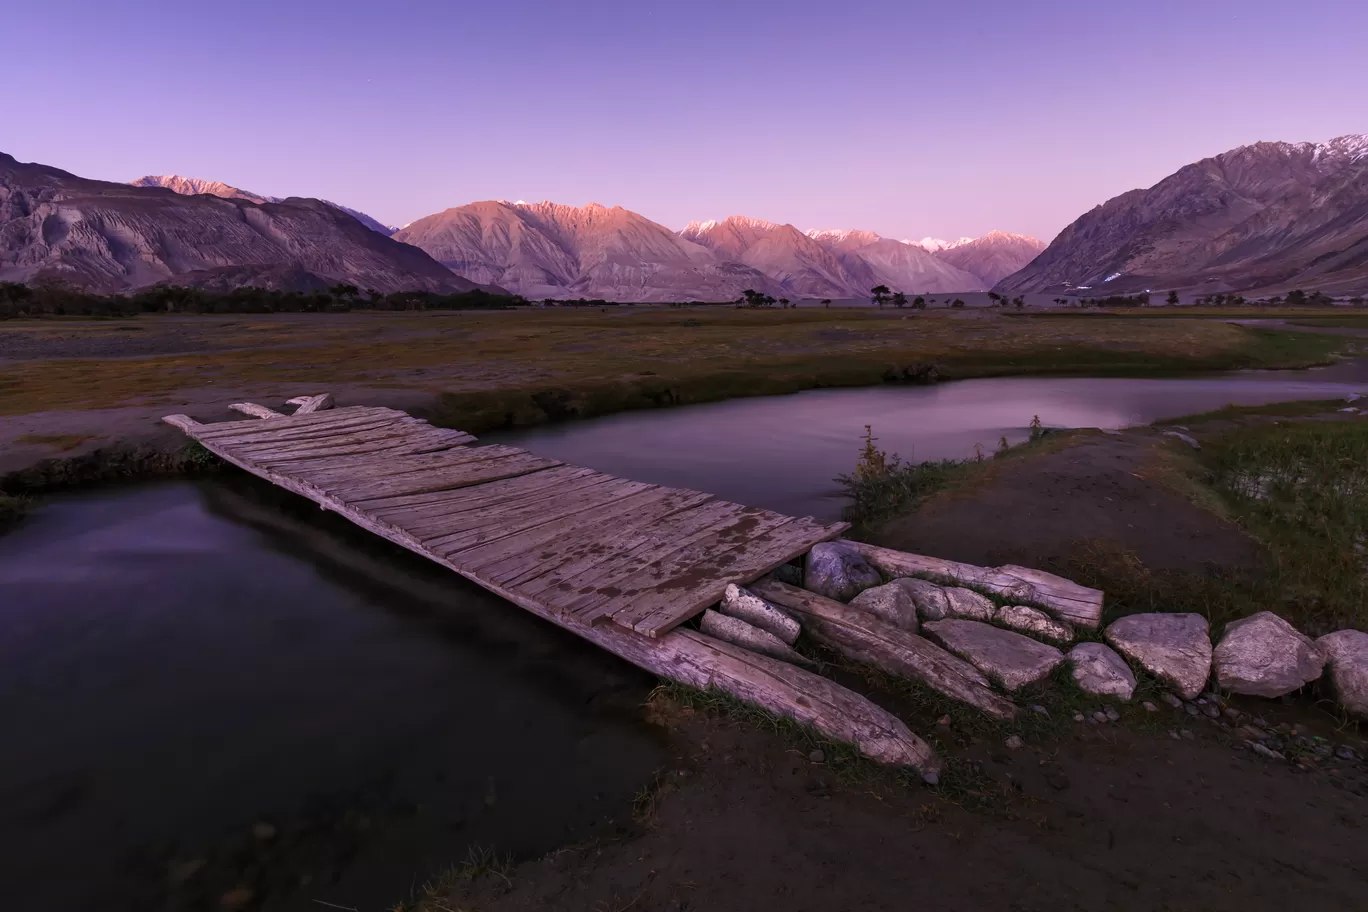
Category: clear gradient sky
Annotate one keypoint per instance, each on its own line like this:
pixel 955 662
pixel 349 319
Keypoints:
pixel 906 118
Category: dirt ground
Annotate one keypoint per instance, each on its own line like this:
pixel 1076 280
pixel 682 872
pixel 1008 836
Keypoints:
pixel 1161 811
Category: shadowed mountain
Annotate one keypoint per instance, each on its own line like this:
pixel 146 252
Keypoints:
pixel 547 250
pixel 111 237
pixel 192 185
pixel 1263 218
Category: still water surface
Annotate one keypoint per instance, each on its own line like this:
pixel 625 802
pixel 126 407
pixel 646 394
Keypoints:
pixel 782 452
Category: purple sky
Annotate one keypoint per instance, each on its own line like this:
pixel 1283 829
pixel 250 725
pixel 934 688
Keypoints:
pixel 905 118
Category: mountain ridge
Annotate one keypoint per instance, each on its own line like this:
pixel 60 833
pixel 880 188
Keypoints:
pixel 190 186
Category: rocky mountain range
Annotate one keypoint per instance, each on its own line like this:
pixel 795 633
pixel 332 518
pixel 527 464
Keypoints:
pixel 192 185
pixel 1262 219
pixel 990 258
pixel 113 237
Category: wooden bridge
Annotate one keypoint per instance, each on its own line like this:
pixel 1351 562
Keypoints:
pixel 559 539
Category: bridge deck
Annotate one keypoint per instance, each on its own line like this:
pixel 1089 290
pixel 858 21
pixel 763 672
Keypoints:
pixel 569 541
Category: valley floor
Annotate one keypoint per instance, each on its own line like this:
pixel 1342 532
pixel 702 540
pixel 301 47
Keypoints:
pixel 70 386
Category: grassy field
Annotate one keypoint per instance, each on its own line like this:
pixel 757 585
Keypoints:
pixel 506 368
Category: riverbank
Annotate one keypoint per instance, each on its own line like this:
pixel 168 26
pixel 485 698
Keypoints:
pixel 1152 809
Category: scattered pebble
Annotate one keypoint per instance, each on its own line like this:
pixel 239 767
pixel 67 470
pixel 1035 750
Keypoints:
pixel 1345 752
pixel 931 779
pixel 1187 735
pixel 1099 717
pixel 1174 735
pixel 1191 709
pixel 1212 711
pixel 1014 743
pixel 1260 722
pixel 1171 700
pixel 1265 752
pixel 943 721
pixel 1111 714
pixel 1078 717
pixel 1150 707
pixel 817 756
pixel 1042 710
pixel 1233 714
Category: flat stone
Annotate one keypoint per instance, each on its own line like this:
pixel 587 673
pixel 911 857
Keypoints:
pixel 1264 656
pixel 1008 658
pixel 1175 648
pixel 751 608
pixel 1346 652
pixel 1098 670
pixel 838 572
pixel 1034 621
pixel 936 603
pixel 892 602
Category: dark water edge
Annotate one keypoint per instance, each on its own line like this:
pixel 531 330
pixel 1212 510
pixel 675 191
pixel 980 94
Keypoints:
pixel 182 661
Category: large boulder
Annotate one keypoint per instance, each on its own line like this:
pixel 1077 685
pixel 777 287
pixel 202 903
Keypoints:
pixel 1264 656
pixel 1176 648
pixel 751 608
pixel 1035 622
pixel 892 602
pixel 1099 671
pixel 1346 652
pixel 838 571
pixel 1009 659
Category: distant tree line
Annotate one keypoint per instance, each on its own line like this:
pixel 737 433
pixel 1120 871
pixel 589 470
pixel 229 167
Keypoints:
pixel 20 300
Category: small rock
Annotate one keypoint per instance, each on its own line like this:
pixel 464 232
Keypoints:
pixel 1345 752
pixel 1040 710
pixel 893 602
pixel 1232 714
pixel 1211 711
pixel 943 721
pixel 1111 714
pixel 817 756
pixel 1253 732
pixel 1171 700
pixel 1010 659
pixel 932 779
pixel 1014 743
pixel 1078 717
pixel 838 571
pixel 1100 671
pixel 1187 735
pixel 1034 621
pixel 1149 707
pixel 966 603
pixel 745 605
pixel 1260 722
pixel 1191 709
pixel 1174 735
pixel 263 832
pixel 1346 652
pixel 1264 656
pixel 1175 648
pixel 1265 752
pixel 1185 438
pixel 1099 717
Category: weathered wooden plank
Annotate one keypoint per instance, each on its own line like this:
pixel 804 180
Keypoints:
pixel 521 520
pixel 226 429
pixel 280 432
pixel 860 635
pixel 256 411
pixel 505 490
pixel 394 445
pixel 560 550
pixel 313 404
pixel 425 521
pixel 332 468
pixel 457 476
pixel 584 593
pixel 1063 598
pixel 663 570
pixel 668 604
pixel 267 447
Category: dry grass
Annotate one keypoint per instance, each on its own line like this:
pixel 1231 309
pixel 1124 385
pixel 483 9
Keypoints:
pixel 496 365
pixel 62 443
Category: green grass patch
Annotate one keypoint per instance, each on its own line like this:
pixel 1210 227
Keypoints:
pixel 1346 321
pixel 1299 408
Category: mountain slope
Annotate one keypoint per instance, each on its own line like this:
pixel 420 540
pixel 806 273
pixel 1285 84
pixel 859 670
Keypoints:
pixel 897 264
pixel 992 257
pixel 1262 218
pixel 193 185
pixel 547 250
pixel 112 237
pixel 803 267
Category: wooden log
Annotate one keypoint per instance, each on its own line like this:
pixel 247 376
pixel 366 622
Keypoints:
pixel 256 411
pixel 751 608
pixel 313 404
pixel 1021 585
pixel 748 636
pixel 860 635
pixel 685 656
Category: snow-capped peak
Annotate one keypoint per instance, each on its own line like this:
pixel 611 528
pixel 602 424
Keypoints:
pixel 931 244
